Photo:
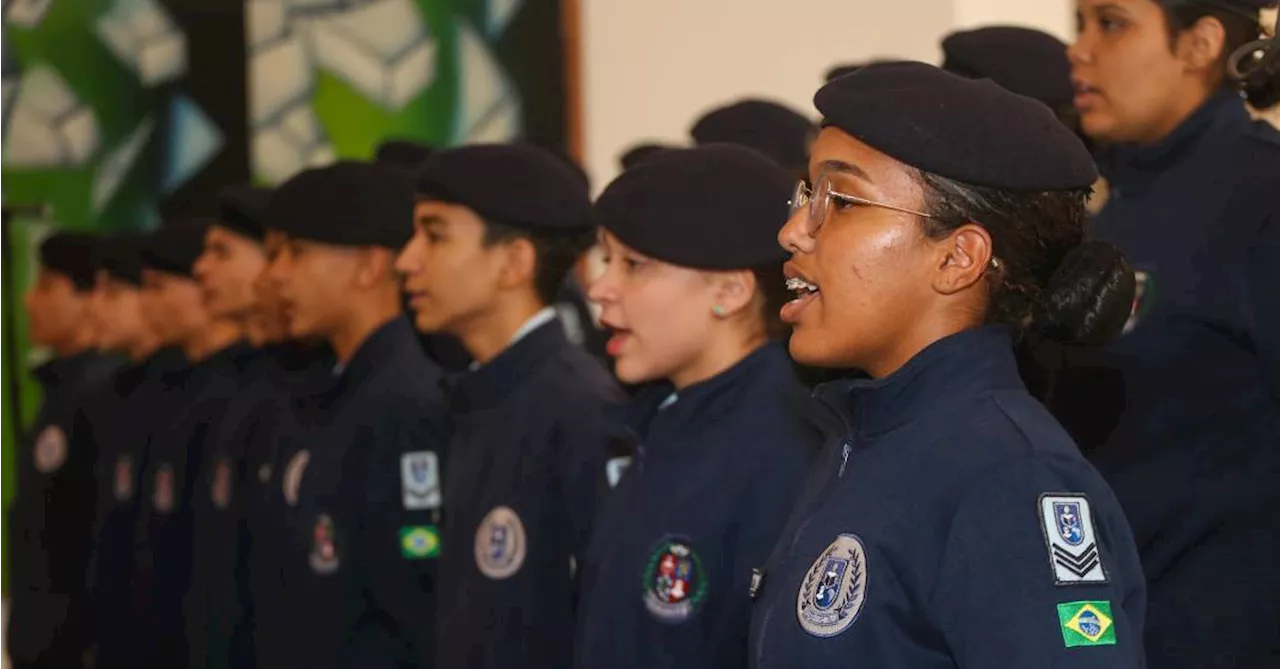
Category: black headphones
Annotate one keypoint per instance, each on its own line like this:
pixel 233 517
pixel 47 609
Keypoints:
pixel 1256 67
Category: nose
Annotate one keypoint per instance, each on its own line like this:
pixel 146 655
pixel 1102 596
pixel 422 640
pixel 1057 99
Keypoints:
pixel 200 270
pixel 1080 51
pixel 603 289
pixel 409 260
pixel 795 236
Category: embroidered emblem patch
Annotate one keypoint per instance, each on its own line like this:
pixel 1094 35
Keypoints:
pixel 220 488
pixel 615 468
pixel 1144 293
pixel 324 546
pixel 420 542
pixel 122 484
pixel 675 582
pixel 1087 624
pixel 162 495
pixel 292 479
pixel 51 449
pixel 1067 524
pixel 835 588
pixel 500 544
pixel 420 480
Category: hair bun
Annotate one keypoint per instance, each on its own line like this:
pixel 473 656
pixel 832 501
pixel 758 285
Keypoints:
pixel 1089 297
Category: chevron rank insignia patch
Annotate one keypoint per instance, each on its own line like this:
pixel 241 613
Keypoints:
pixel 1067 523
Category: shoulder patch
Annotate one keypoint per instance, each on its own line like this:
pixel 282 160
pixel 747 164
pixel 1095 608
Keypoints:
pixel 292 479
pixel 835 588
pixel 500 544
pixel 51 450
pixel 162 494
pixel 324 546
pixel 1086 624
pixel 1067 524
pixel 674 580
pixel 615 468
pixel 419 542
pixel 420 480
pixel 122 483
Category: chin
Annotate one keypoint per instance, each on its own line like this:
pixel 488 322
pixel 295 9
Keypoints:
pixel 631 371
pixel 811 351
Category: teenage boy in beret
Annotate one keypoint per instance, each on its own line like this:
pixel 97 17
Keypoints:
pixel 361 488
pixel 497 229
pixel 51 518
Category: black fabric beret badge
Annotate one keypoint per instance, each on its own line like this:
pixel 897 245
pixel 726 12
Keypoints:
pixel 345 204
pixel 970 130
pixel 513 184
pixel 713 207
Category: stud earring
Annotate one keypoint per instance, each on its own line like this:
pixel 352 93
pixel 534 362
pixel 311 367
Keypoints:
pixel 718 310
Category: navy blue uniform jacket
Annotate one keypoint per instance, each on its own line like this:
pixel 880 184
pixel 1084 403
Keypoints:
pixel 116 424
pixel 955 524
pixel 50 524
pixel 1195 454
pixel 359 566
pixel 163 543
pixel 526 474
pixel 668 574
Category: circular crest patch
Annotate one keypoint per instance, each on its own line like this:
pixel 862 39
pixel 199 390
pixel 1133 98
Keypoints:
pixel 122 485
pixel 51 449
pixel 833 592
pixel 324 546
pixel 221 484
pixel 675 582
pixel 500 543
pixel 162 496
pixel 292 479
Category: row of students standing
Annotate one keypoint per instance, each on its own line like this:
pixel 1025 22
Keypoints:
pixel 866 578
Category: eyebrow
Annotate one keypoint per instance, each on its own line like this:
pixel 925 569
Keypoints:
pixel 430 219
pixel 841 167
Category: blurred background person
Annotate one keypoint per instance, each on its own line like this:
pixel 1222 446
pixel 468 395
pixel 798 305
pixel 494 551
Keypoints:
pixel 1186 406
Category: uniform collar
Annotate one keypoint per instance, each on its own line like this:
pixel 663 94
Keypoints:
pixel 544 315
pixel 495 380
pixel 66 368
pixel 961 366
pixel 376 351
pixel 1125 164
pixel 707 400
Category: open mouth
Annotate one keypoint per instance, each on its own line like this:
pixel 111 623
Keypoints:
pixel 803 291
pixel 619 338
pixel 1084 91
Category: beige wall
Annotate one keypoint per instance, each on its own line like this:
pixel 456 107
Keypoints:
pixel 650 67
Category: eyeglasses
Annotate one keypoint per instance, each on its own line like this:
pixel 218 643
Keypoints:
pixel 818 199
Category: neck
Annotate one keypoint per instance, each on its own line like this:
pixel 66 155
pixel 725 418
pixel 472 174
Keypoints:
pixel 257 332
pixel 908 344
pixel 358 326
pixel 1179 111
pixel 717 358
pixel 217 335
pixel 142 348
pixel 491 335
pixel 78 342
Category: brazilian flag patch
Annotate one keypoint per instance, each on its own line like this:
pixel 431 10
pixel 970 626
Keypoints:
pixel 1087 624
pixel 419 542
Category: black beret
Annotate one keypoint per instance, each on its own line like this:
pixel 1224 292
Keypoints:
pixel 242 208
pixel 715 207
pixel 513 184
pixel 837 71
pixel 632 156
pixel 1248 8
pixel 346 204
pixel 1025 61
pixel 175 247
pixel 120 255
pixel 969 130
pixel 402 154
pixel 70 254
pixel 770 128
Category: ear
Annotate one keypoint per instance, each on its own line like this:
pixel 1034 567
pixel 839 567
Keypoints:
pixel 733 291
pixel 1201 45
pixel 519 262
pixel 964 257
pixel 373 266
